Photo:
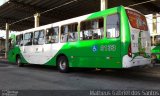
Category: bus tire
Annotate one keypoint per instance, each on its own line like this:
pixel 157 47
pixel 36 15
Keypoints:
pixel 63 65
pixel 18 62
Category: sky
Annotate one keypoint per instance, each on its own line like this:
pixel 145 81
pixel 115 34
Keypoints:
pixel 3 33
pixel 150 23
pixel 2 1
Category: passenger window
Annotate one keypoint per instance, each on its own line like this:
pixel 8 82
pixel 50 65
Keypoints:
pixel 113 26
pixel 52 35
pixel 38 37
pixel 92 29
pixel 28 39
pixel 69 33
pixel 19 40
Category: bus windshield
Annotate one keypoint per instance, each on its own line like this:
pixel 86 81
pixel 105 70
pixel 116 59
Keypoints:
pixel 156 40
pixel 137 20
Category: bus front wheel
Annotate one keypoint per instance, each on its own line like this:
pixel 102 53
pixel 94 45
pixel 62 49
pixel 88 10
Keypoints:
pixel 63 65
pixel 18 61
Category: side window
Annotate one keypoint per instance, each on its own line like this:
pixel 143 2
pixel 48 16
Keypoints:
pixel 19 40
pixel 69 33
pixel 38 37
pixel 28 39
pixel 92 29
pixel 52 35
pixel 113 26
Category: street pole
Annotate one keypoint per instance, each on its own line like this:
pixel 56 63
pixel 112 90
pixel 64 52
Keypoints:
pixel 104 4
pixel 36 20
pixel 6 41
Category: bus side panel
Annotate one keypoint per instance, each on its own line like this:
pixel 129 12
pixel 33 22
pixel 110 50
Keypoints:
pixel 103 53
pixel 83 54
pixel 52 61
pixel 13 53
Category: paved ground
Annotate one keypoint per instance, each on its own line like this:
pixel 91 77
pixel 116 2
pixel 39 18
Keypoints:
pixel 33 77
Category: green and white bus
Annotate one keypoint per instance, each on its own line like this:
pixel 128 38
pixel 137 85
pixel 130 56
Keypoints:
pixel 155 48
pixel 113 38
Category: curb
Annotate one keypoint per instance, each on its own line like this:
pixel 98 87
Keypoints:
pixel 4 61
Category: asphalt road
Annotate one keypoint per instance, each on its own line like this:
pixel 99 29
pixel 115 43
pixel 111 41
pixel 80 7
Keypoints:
pixel 34 77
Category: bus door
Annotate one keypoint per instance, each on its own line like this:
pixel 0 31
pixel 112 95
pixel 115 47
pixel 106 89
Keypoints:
pixel 27 47
pixel 38 47
pixel 112 45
